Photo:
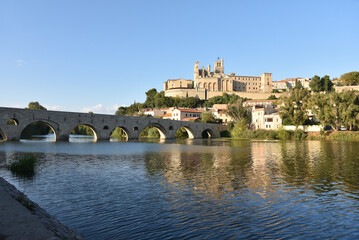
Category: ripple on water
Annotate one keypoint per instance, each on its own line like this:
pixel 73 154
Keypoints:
pixel 196 189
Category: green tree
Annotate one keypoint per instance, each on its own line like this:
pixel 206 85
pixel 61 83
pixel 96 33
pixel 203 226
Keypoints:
pixel 321 84
pixel 238 112
pixel 350 78
pixel 272 97
pixel 150 100
pixel 207 117
pixel 298 84
pixel 330 109
pixel 327 84
pixel 294 106
pixel 35 106
pixel 349 109
pixel 316 84
pixel 121 111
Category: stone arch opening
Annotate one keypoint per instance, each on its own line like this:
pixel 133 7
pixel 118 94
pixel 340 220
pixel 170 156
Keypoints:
pixel 2 136
pixel 214 87
pixel 205 85
pixel 208 133
pixel 199 85
pixel 153 131
pixel 40 131
pixel 184 132
pixel 13 121
pixel 209 86
pixel 83 133
pixel 119 134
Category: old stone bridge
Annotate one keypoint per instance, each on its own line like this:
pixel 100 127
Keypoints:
pixel 62 123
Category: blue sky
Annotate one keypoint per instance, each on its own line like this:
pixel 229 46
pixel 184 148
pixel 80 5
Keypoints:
pixel 99 55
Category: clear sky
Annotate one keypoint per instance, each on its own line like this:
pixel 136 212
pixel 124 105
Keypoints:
pixel 98 55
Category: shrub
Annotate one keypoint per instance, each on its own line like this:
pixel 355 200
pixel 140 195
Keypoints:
pixel 153 133
pixel 284 134
pixel 24 165
pixel 299 134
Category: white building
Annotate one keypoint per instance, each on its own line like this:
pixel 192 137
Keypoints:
pixel 185 114
pixel 157 112
pixel 291 83
pixel 266 117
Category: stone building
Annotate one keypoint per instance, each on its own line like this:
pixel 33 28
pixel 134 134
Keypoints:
pixel 177 84
pixel 206 80
pixel 218 81
pixel 291 83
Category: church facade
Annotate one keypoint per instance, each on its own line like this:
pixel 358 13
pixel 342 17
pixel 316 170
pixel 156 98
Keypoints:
pixel 218 81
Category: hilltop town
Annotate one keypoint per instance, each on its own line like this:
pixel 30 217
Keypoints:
pixel 211 93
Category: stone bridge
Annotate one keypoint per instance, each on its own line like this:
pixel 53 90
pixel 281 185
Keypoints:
pixel 62 123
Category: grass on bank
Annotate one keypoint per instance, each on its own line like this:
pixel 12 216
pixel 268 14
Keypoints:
pixel 24 165
pixel 240 131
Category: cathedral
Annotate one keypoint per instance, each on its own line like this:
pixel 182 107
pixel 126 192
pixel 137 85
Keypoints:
pixel 218 81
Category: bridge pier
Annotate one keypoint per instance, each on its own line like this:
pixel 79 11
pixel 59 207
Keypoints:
pixel 62 137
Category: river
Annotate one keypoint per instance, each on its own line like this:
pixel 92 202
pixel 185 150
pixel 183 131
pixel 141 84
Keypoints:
pixel 195 189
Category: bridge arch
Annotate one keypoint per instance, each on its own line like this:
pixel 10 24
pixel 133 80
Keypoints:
pixel 2 136
pixel 12 121
pixel 85 128
pixel 207 133
pixel 161 129
pixel 31 127
pixel 117 133
pixel 188 130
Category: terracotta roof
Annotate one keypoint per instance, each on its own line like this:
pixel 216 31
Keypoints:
pixel 188 110
pixel 192 118
pixel 167 115
pixel 288 79
pixel 253 101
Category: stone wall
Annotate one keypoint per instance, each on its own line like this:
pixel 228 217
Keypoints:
pixel 342 88
pixel 203 94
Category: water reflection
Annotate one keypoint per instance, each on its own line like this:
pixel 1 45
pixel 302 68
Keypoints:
pixel 194 188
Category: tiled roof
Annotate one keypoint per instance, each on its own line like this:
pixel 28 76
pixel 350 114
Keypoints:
pixel 192 118
pixel 189 110
pixel 254 101
pixel 167 115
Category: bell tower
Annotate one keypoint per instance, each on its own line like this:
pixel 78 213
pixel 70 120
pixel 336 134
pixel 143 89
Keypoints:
pixel 218 66
pixel 196 73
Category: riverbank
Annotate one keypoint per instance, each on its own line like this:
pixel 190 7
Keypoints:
pixel 282 134
pixel 22 219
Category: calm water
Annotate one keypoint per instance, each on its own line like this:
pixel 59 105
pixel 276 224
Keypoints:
pixel 202 189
